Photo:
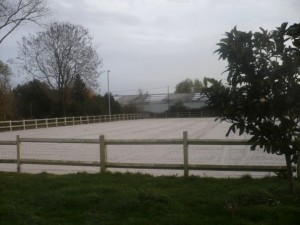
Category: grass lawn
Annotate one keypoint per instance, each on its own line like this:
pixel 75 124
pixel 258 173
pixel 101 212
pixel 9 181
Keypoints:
pixel 142 199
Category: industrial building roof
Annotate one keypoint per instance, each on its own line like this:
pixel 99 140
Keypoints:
pixel 159 98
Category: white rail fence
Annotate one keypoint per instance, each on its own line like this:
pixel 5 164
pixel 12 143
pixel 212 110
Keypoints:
pixel 103 164
pixel 64 121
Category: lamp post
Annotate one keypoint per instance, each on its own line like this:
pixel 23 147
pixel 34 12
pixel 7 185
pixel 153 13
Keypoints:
pixel 109 112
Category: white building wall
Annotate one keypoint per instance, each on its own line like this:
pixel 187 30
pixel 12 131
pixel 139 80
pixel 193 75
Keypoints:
pixel 163 107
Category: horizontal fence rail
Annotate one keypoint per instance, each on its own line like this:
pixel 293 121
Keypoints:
pixel 25 124
pixel 103 164
pixel 65 121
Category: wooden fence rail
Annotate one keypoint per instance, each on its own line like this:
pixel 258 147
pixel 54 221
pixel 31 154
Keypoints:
pixel 104 164
pixel 65 121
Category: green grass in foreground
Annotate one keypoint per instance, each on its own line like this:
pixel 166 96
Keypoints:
pixel 143 199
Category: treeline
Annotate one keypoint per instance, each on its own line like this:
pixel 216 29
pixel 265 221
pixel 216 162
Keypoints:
pixel 36 99
pixel 61 60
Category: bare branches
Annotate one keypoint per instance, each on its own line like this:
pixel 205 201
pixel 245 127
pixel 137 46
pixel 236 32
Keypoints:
pixel 17 12
pixel 56 56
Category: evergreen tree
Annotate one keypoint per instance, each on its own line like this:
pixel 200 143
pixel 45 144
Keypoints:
pixel 34 100
pixel 263 92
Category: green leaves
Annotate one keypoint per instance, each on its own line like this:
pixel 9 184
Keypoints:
pixel 263 92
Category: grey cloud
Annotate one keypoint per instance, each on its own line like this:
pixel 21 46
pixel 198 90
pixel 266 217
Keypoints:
pixel 149 43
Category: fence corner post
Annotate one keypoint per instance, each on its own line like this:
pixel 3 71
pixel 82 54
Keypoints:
pixel 103 154
pixel 18 154
pixel 185 154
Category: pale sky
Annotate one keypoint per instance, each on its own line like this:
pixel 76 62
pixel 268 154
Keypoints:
pixel 153 44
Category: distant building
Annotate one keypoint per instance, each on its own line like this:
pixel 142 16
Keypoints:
pixel 159 103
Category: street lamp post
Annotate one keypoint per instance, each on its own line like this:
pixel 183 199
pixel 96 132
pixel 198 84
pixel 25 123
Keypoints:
pixel 109 112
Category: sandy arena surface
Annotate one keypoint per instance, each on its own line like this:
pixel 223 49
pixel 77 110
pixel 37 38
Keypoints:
pixel 200 128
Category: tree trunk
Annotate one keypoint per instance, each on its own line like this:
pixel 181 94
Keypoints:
pixel 291 187
pixel 62 102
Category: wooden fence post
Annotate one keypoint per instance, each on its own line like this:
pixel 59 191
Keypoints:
pixel 24 125
pixel 10 125
pixel 185 154
pixel 18 154
pixel 103 154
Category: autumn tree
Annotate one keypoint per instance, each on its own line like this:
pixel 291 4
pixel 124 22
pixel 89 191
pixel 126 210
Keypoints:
pixel 198 86
pixel 189 86
pixel 55 56
pixel 263 90
pixel 14 13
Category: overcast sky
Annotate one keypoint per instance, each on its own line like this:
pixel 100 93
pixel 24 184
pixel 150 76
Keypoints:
pixel 153 44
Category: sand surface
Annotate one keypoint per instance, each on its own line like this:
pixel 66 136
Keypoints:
pixel 200 128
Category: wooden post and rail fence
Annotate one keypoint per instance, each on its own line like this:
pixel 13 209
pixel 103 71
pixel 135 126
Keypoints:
pixel 12 125
pixel 103 164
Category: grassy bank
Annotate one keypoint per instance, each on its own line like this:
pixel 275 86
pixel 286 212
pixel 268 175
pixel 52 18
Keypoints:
pixel 143 199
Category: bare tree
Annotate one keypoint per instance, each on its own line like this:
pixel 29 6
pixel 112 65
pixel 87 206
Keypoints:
pixel 14 13
pixel 57 55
